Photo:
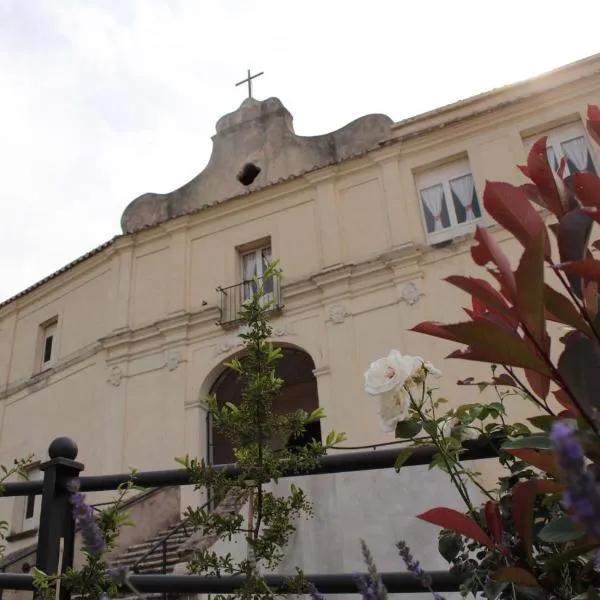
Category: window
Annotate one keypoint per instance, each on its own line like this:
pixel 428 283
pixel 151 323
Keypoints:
pixel 570 142
pixel 48 344
pixel 29 507
pixel 254 265
pixel 448 200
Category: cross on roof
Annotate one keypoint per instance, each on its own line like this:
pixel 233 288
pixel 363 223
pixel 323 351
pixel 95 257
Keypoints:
pixel 248 80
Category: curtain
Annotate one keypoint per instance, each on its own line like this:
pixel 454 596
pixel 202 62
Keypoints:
pixel 552 160
pixel 464 189
pixel 433 198
pixel 249 272
pixel 266 259
pixel 576 152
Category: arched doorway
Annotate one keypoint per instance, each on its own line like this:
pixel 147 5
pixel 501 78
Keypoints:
pixel 298 392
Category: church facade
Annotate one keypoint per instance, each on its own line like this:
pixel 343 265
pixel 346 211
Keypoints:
pixel 119 348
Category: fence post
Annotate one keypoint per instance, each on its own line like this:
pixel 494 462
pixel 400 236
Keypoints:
pixel 56 520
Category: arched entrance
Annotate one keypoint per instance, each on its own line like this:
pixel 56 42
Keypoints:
pixel 298 392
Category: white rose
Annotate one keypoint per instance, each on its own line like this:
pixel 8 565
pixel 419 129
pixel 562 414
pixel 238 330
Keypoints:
pixel 393 408
pixel 446 426
pixel 386 374
pixel 393 371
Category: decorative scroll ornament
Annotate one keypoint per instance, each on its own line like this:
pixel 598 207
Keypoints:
pixel 115 376
pixel 410 293
pixel 337 313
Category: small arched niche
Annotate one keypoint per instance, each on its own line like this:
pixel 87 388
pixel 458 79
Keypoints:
pixel 298 392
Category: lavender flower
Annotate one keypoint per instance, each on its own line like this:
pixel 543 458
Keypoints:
pixel 85 522
pixel 315 594
pixel 367 587
pixel 415 568
pixel 582 494
pixel 374 582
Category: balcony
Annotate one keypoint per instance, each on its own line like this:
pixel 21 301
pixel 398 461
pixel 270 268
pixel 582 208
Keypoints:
pixel 234 296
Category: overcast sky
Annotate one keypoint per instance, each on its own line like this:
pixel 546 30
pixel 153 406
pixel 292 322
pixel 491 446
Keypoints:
pixel 103 100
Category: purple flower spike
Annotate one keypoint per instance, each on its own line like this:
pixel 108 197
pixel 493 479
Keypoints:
pixel 85 522
pixel 582 493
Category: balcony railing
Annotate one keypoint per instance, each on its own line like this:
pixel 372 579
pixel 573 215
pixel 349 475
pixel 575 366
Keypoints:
pixel 234 296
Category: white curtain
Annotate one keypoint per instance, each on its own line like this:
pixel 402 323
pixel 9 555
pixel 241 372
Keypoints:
pixel 465 190
pixel 249 272
pixel 266 259
pixel 576 151
pixel 433 199
pixel 552 160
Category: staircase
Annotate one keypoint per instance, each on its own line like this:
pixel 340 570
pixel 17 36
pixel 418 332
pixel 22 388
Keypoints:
pixel 163 551
pixel 159 554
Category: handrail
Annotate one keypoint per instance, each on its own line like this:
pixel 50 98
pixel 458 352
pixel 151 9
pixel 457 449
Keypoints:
pixel 163 540
pixel 345 462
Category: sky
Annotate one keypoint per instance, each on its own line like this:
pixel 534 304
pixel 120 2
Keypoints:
pixel 104 100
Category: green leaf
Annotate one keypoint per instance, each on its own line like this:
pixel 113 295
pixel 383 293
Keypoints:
pixel 560 531
pixel 402 458
pixel 543 422
pixel 407 429
pixel 538 441
pixel 568 555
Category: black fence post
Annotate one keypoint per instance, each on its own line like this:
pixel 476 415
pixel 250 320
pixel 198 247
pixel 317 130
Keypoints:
pixel 56 519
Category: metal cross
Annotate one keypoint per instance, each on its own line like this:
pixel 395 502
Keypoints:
pixel 248 80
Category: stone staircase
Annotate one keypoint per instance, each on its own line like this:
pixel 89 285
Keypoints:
pixel 163 556
pixel 160 553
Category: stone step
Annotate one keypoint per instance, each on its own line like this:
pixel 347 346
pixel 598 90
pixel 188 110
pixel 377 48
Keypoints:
pixel 156 558
pixel 156 547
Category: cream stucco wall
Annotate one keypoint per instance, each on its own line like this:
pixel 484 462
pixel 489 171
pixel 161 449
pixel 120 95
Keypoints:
pixel 137 342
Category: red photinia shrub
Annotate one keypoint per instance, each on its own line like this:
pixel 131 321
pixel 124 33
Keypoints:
pixel 508 322
pixel 508 326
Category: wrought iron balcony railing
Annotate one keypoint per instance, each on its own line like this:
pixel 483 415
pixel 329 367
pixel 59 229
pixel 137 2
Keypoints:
pixel 234 296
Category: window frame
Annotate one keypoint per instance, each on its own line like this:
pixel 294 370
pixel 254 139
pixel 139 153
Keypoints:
pixel 559 135
pixel 443 175
pixel 22 523
pixel 48 330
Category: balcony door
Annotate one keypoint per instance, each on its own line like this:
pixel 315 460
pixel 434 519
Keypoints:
pixel 254 266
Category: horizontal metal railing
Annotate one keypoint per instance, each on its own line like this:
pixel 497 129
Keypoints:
pixel 56 520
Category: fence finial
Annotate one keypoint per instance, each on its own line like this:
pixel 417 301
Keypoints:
pixel 63 447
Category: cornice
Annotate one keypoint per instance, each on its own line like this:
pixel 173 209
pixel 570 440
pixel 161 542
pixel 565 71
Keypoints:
pixel 41 379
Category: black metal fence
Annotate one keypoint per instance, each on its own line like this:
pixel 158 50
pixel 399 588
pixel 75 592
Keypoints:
pixel 56 522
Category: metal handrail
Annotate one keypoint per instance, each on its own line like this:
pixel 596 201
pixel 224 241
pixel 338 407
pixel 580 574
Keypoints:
pixel 344 462
pixel 163 541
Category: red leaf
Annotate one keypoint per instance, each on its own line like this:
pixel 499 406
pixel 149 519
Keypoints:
pixel 435 329
pixel 509 206
pixel 491 342
pixel 484 296
pixel 587 188
pixel 448 518
pixel 540 459
pixel 540 384
pixel 544 178
pixel 573 235
pixel 488 251
pixel 493 520
pixel 516 575
pixel 564 400
pixel 593 122
pixel 533 194
pixel 523 500
pixel 588 268
pixel 529 277
pixel 562 310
